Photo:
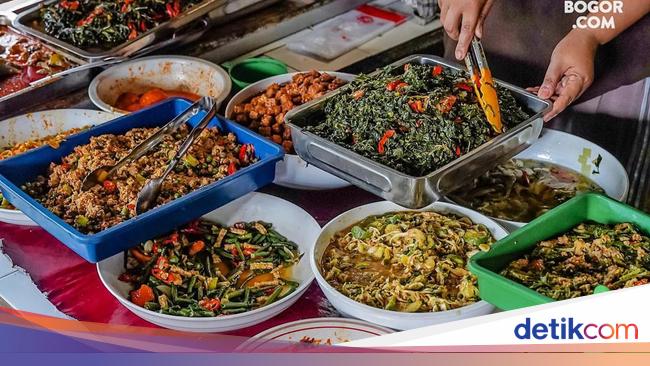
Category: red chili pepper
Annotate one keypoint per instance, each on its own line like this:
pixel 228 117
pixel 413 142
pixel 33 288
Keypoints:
pixel 142 295
pixel 640 282
pixel 210 304
pixel 384 139
pixel 457 151
pixel 69 5
pixel 446 104
pixel 232 168
pixel 393 85
pixel 65 166
pixel 242 153
pixel 417 106
pixel 172 239
pixel 109 186
pixel 248 251
pixel 89 19
pixel 154 248
pixel 437 70
pixel 234 252
pixel 177 7
pixel 162 263
pixel 131 206
pixel 169 9
pixel 143 26
pixel 134 31
pixel 166 277
pixel 463 86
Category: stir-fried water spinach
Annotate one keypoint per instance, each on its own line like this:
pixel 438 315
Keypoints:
pixel 105 24
pixel 414 122
pixel 205 269
pixel 573 264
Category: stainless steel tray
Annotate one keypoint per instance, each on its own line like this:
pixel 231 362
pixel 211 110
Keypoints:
pixel 25 98
pixel 27 20
pixel 405 190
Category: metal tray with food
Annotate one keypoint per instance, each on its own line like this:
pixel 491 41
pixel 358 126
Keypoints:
pixel 224 163
pixel 24 60
pixel 95 32
pixel 420 184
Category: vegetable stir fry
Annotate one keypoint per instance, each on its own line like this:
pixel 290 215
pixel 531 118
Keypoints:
pixel 206 269
pixel 107 23
pixel 415 122
pixel 522 190
pixel 407 261
pixel 573 264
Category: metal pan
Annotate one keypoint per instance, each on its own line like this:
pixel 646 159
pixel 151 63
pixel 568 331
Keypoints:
pixel 16 102
pixel 405 190
pixel 27 21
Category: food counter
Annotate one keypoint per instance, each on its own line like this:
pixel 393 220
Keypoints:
pixel 73 285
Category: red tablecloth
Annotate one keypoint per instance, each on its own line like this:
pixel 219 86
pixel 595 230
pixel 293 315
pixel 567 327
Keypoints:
pixel 73 286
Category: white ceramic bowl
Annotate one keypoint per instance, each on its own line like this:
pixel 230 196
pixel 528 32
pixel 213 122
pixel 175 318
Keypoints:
pixel 41 124
pixel 166 72
pixel 287 218
pixel 388 318
pixel 292 172
pixel 577 154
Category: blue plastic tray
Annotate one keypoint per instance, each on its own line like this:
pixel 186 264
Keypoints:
pixel 14 172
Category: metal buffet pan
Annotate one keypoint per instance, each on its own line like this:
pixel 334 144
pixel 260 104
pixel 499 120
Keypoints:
pixel 28 21
pixel 405 190
pixel 19 101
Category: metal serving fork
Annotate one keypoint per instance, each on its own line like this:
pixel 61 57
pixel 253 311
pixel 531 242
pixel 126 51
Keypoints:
pixel 103 173
pixel 148 195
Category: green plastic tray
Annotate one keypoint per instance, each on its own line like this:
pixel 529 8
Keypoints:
pixel 507 294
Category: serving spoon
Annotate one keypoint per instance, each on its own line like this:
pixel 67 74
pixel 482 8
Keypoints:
pixel 101 174
pixel 149 194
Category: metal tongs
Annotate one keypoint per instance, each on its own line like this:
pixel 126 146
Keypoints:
pixel 484 86
pixel 150 192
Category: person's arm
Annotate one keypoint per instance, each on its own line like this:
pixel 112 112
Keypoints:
pixel 462 19
pixel 571 70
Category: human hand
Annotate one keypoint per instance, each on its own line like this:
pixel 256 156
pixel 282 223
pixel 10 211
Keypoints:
pixel 570 72
pixel 462 19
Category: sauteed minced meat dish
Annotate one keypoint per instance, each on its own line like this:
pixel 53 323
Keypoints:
pixel 213 156
pixel 575 263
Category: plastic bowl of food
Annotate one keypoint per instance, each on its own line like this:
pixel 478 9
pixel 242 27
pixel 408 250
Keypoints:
pixel 292 172
pixel 133 85
pixel 37 129
pixel 394 319
pixel 562 162
pixel 286 218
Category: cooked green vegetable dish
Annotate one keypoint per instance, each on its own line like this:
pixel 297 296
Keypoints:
pixel 105 24
pixel 521 190
pixel 573 264
pixel 206 269
pixel 415 122
pixel 407 261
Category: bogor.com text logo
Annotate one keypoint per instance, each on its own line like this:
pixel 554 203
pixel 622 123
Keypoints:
pixel 594 14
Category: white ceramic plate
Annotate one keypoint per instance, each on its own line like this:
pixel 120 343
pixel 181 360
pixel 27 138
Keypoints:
pixel 287 218
pixel 166 72
pixel 387 318
pixel 577 154
pixel 292 172
pixel 318 331
pixel 41 124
